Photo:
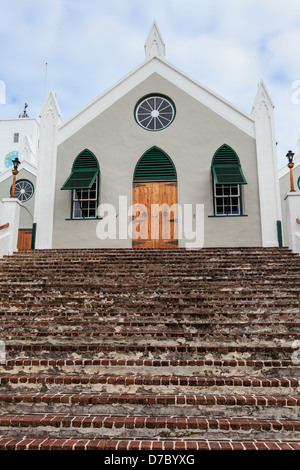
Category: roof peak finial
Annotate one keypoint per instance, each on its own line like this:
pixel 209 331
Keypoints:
pixel 155 46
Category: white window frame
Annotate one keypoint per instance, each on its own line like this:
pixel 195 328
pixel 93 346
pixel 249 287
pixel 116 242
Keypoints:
pixel 85 197
pixel 227 200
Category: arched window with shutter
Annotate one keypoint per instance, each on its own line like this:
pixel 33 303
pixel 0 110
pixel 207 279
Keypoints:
pixel 228 179
pixel 83 182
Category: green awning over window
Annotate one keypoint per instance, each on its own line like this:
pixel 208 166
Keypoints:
pixel 83 179
pixel 226 167
pixel 84 172
pixel 228 174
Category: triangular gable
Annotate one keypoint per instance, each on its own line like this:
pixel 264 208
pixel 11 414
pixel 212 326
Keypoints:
pixel 159 66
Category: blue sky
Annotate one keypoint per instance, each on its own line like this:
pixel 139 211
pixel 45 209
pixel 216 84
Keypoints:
pixel 227 45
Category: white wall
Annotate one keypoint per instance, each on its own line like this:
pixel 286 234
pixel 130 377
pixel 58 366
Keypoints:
pixel 292 200
pixel 9 213
pixel 26 127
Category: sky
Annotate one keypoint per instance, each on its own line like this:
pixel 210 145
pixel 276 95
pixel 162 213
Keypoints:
pixel 88 45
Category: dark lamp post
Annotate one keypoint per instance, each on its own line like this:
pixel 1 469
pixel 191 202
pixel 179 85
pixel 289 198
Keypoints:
pixel 16 163
pixel 290 156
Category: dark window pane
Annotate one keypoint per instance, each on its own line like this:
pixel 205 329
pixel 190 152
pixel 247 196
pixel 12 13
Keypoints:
pixel 145 107
pixel 145 121
pixel 158 123
pixel 151 124
pixel 159 102
pixel 151 103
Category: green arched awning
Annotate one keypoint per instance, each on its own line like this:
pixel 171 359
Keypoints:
pixel 226 167
pixel 85 170
pixel 155 165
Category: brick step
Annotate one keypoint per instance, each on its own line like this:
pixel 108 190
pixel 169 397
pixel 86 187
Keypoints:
pixel 148 336
pixel 94 301
pixel 222 367
pixel 56 443
pixel 135 383
pixel 205 274
pixel 108 426
pixel 161 352
pixel 272 274
pixel 20 311
pixel 160 269
pixel 68 325
pixel 158 294
pixel 186 283
pixel 199 269
pixel 215 252
pixel 120 256
pixel 132 264
pixel 130 257
pixel 150 380
pixel 173 315
pixel 161 284
pixel 176 291
pixel 213 405
pixel 144 303
pixel 222 284
pixel 157 266
pixel 86 400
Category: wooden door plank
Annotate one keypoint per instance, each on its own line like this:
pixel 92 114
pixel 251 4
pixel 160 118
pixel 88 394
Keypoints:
pixel 158 227
pixel 24 239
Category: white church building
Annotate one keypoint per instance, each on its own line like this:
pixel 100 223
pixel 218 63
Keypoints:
pixel 156 161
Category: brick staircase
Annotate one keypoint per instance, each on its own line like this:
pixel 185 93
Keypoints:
pixel 150 349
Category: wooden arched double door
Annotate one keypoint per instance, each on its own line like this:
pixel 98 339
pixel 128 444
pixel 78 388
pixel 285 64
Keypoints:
pixel 155 210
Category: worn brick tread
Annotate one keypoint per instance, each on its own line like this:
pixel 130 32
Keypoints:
pixel 202 314
pixel 192 381
pixel 151 399
pixel 153 334
pixel 13 325
pixel 52 362
pixel 146 422
pixel 96 347
pixel 44 443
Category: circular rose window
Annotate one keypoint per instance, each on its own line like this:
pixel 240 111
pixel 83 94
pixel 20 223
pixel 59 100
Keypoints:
pixel 155 112
pixel 24 190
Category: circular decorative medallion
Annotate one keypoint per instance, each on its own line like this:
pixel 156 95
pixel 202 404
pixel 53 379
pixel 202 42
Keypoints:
pixel 155 112
pixel 9 158
pixel 24 190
